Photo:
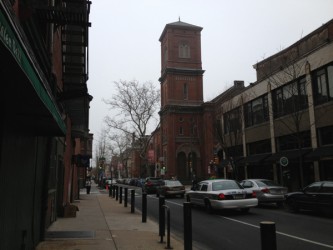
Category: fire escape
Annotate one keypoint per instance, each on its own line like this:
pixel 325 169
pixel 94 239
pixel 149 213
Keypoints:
pixel 73 17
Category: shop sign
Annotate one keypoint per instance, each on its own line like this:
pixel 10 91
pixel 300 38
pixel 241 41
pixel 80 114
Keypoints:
pixel 8 39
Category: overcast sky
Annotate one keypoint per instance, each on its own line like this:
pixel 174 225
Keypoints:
pixel 124 45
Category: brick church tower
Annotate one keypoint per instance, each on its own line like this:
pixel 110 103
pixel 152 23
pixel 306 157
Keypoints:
pixel 181 100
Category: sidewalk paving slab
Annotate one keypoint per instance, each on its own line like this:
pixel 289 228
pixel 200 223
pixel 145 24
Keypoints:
pixel 102 223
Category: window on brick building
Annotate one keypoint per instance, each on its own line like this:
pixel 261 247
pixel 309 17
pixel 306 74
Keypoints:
pixel 184 50
pixel 185 91
pixel 181 130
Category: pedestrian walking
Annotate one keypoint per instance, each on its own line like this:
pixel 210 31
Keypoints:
pixel 88 186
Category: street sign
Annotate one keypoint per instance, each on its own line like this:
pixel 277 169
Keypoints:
pixel 284 161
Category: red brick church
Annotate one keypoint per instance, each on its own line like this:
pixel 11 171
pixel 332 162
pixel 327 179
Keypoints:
pixel 186 144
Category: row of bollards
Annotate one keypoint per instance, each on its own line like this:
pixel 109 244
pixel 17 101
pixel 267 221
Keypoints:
pixel 267 228
pixel 267 231
pixel 116 192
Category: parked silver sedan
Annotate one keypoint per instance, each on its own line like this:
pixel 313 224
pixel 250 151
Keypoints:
pixel 221 194
pixel 266 191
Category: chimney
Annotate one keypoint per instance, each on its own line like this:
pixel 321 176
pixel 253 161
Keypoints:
pixel 239 83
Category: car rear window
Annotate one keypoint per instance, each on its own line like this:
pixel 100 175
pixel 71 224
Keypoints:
pixel 225 185
pixel 173 183
pixel 152 179
pixel 263 183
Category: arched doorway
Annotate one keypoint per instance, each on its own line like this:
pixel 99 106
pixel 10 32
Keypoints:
pixel 187 161
pixel 181 166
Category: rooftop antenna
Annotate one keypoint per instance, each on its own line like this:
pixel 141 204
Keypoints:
pixel 178 19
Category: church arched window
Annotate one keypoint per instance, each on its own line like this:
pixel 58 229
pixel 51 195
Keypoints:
pixel 184 50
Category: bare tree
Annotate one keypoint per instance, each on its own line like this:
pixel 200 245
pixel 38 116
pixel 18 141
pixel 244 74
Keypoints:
pixel 230 134
pixel 119 145
pixel 286 76
pixel 136 104
pixel 100 156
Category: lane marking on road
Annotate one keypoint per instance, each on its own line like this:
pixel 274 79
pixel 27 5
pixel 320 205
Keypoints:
pixel 174 203
pixel 284 234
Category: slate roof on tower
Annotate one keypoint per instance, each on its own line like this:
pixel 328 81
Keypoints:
pixel 180 24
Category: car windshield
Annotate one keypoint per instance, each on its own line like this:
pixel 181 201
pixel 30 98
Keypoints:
pixel 224 185
pixel 264 183
pixel 173 183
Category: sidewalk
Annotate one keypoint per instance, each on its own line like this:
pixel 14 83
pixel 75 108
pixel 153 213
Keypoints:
pixel 102 223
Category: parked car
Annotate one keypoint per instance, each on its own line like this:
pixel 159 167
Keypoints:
pixel 140 182
pixel 133 181
pixel 317 196
pixel 120 181
pixel 170 188
pixel 221 194
pixel 151 184
pixel 267 191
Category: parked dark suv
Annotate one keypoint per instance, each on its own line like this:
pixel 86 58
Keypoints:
pixel 150 185
pixel 318 197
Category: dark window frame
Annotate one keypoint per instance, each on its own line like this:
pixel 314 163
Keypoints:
pixel 322 84
pixel 259 116
pixel 232 120
pixel 290 98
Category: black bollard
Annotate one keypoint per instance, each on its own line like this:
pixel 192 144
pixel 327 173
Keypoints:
pixel 113 191
pixel 121 195
pixel 125 197
pixel 110 190
pixel 161 217
pixel 187 226
pixel 268 235
pixel 117 188
pixel 132 200
pixel 168 227
pixel 144 207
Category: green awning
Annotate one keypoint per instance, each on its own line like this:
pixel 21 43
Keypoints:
pixel 11 40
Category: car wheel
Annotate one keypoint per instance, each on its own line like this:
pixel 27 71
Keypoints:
pixel 208 207
pixel 292 205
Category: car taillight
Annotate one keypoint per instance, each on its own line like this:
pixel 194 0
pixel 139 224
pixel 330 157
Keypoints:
pixel 149 183
pixel 221 196
pixel 254 194
pixel 265 190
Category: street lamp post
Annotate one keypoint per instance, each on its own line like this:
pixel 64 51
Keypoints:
pixel 111 170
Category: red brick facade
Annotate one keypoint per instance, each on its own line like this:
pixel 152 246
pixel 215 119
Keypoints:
pixel 186 142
